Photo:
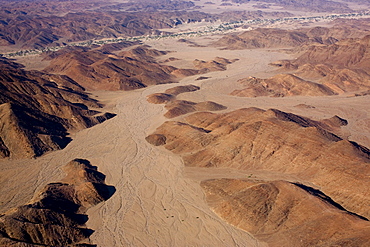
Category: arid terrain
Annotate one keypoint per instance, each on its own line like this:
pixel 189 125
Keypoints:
pixel 184 123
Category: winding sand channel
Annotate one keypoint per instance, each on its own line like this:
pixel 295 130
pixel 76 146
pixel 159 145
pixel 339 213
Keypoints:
pixel 154 205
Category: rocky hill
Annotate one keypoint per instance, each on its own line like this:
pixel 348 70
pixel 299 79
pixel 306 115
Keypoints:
pixel 274 141
pixel 345 54
pixel 310 5
pixel 57 214
pixel 150 6
pixel 39 24
pixel 263 38
pixel 338 80
pixel 176 107
pixel 37 110
pixel 281 85
pixel 285 214
pixel 34 31
pixel 180 107
pixel 104 68
pixel 98 69
pixel 280 38
pixel 217 64
pixel 321 69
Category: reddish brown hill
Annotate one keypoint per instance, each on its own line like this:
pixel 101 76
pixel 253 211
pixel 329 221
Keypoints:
pixel 309 5
pixel 30 30
pixel 275 141
pixel 46 8
pixel 160 98
pixel 281 85
pixel 285 214
pixel 143 52
pixel 217 64
pixel 96 70
pixel 37 110
pixel 180 107
pixel 170 94
pixel 113 47
pixel 279 38
pixel 350 54
pixel 56 216
pixel 263 38
pixel 202 67
pixel 180 73
pixel 354 28
pixel 340 67
pixel 146 6
pixel 39 24
pixel 337 79
pixel 182 89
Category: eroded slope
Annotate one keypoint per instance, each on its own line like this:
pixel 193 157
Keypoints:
pixel 285 214
pixel 56 216
pixel 37 110
pixel 272 140
pixel 97 69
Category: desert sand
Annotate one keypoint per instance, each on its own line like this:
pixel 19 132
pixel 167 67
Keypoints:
pixel 159 202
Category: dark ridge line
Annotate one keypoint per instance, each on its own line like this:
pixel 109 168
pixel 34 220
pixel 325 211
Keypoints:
pixel 327 199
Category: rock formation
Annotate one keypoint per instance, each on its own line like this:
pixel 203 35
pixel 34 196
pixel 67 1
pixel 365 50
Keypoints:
pixel 275 141
pixel 42 24
pixel 202 67
pixel 263 38
pixel 56 216
pixel 180 107
pixel 160 98
pixel 181 89
pixel 97 70
pixel 37 110
pixel 346 54
pixel 320 70
pixel 310 5
pixel 285 214
pixel 217 64
pixel 280 38
pixel 281 85
pixel 340 67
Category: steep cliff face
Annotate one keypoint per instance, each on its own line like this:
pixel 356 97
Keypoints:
pixel 37 110
pixel 56 216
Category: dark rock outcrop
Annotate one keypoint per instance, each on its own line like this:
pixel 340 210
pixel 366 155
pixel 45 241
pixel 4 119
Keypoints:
pixel 56 216
pixel 37 110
